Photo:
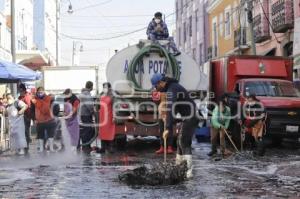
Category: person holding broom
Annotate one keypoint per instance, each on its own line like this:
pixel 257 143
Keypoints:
pixel 178 101
pixel 220 122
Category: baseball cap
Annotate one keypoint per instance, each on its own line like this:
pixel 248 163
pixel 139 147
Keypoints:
pixel 156 78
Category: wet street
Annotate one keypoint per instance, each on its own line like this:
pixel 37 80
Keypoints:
pixel 66 175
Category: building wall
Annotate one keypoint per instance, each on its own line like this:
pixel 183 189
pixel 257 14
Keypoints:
pixel 191 28
pixel 45 27
pixel 278 41
pixel 39 24
pixel 223 20
pixel 5 45
pixel 24 25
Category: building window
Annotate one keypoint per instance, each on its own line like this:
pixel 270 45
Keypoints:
pixel 221 24
pixel 228 22
pixel 179 36
pixel 194 53
pixel 176 10
pixel 184 32
pixel 197 20
pixel 201 53
pixel 181 7
pixel 214 37
pixel 190 26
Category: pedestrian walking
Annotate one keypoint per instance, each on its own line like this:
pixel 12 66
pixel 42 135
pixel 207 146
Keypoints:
pixel 71 111
pixel 15 112
pixel 26 98
pixel 220 122
pixel 87 111
pixel 45 123
pixel 178 102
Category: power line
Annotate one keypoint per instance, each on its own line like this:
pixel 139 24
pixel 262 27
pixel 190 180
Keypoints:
pixel 92 6
pixel 108 38
pixel 100 39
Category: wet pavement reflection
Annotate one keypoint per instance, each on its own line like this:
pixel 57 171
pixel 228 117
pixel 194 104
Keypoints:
pixel 66 175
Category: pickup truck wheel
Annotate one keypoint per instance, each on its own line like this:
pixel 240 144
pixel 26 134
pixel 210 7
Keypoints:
pixel 276 142
pixel 120 142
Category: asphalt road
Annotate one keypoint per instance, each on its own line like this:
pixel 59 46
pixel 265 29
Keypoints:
pixel 68 175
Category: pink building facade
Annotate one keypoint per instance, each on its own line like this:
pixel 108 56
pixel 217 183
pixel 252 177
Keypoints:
pixel 273 26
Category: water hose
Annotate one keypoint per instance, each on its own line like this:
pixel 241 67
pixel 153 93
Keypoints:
pixel 153 48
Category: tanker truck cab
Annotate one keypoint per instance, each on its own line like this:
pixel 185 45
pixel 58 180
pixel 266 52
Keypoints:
pixel 270 78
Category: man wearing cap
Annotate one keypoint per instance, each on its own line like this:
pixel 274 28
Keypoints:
pixel 158 30
pixel 178 101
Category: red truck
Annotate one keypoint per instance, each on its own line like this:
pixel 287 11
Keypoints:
pixel 270 78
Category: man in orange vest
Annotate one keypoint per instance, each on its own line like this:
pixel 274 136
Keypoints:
pixel 43 118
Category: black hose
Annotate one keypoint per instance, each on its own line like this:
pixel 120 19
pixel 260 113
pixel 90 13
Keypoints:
pixel 153 48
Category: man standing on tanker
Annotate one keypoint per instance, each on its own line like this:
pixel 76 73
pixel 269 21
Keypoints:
pixel 178 101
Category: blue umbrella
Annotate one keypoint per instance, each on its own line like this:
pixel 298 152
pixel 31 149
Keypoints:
pixel 10 72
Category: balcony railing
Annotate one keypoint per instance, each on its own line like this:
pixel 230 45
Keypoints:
pixel 240 37
pixel 282 13
pixel 261 28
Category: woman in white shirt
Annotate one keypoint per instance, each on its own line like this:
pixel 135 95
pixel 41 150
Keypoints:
pixel 15 112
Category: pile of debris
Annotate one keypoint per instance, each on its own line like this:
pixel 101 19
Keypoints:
pixel 153 175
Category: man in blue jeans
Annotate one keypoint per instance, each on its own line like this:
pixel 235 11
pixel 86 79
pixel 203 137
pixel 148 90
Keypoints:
pixel 158 30
pixel 178 101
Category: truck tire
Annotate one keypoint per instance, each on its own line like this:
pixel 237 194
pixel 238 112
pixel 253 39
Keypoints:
pixel 120 142
pixel 236 133
pixel 276 142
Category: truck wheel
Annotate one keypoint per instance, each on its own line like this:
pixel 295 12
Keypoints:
pixel 236 134
pixel 120 142
pixel 276 142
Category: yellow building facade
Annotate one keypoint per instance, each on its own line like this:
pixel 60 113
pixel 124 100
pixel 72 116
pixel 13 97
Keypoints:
pixel 226 19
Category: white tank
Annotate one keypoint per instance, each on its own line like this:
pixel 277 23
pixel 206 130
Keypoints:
pixel 191 75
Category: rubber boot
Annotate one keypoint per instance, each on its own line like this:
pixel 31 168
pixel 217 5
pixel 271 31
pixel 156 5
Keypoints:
pixel 51 144
pixel 179 159
pixel 41 145
pixel 260 148
pixel 160 150
pixel 189 161
pixel 21 152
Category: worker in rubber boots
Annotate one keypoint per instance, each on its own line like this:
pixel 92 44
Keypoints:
pixel 87 111
pixel 178 101
pixel 158 30
pixel 219 123
pixel 162 114
pixel 254 121
pixel 45 122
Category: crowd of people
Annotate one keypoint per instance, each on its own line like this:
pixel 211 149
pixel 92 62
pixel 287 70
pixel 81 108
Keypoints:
pixel 44 112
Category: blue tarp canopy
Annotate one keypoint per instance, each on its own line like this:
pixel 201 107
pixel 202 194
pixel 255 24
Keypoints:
pixel 10 73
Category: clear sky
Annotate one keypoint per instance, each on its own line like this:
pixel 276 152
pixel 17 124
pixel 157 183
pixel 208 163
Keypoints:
pixel 102 19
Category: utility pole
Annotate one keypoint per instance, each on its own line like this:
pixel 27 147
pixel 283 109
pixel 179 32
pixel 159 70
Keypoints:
pixel 73 52
pixel 251 25
pixel 13 30
pixel 13 42
pixel 57 38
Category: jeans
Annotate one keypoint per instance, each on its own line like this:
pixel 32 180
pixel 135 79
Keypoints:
pixel 184 139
